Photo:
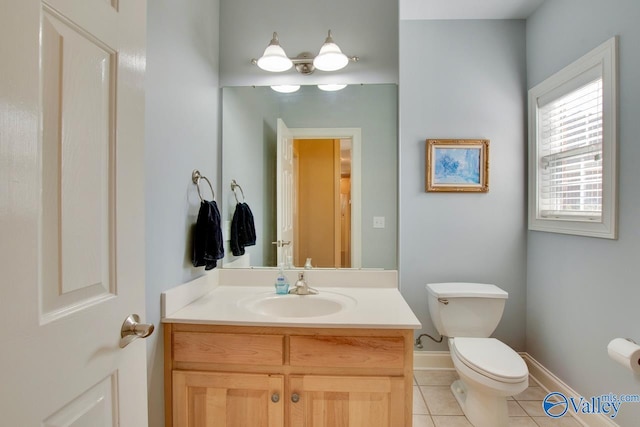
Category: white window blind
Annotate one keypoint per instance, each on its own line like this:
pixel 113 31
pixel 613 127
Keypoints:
pixel 570 149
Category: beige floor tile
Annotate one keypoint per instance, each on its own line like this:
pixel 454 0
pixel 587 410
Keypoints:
pixel 432 395
pixel 515 410
pixel 440 400
pixel 565 421
pixel 422 421
pixel 435 377
pixel 449 421
pixel 522 422
pixel 531 393
pixel 419 407
pixel 533 408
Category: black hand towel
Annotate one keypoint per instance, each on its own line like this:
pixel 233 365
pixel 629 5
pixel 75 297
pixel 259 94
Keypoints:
pixel 207 241
pixel 243 230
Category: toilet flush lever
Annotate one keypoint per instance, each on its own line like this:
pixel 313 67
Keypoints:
pixel 443 301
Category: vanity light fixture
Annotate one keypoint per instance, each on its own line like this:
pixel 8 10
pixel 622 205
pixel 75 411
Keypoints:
pixel 330 58
pixel 274 59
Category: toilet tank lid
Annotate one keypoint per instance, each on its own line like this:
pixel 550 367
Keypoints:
pixel 462 290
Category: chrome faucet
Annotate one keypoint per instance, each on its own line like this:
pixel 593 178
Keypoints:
pixel 301 287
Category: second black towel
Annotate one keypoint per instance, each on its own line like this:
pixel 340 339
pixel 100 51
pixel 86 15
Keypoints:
pixel 243 230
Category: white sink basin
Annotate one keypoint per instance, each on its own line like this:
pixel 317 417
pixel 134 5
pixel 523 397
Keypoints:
pixel 322 304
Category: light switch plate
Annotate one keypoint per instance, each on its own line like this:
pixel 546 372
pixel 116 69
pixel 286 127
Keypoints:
pixel 378 222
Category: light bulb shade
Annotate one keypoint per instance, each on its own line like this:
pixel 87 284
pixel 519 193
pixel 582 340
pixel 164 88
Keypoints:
pixel 285 88
pixel 274 59
pixel 330 57
pixel 332 87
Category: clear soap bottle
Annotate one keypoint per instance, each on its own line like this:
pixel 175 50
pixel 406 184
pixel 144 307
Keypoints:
pixel 282 284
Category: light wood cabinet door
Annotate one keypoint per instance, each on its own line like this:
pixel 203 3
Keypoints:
pixel 346 401
pixel 210 399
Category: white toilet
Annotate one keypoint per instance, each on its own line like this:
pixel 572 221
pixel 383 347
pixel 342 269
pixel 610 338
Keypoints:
pixel 489 370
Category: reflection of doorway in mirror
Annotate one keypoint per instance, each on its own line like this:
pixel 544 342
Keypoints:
pixel 322 176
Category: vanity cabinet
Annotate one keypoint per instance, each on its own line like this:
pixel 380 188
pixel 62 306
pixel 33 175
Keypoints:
pixel 323 401
pixel 227 399
pixel 287 377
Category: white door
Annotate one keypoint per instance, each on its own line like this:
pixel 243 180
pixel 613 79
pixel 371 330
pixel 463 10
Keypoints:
pixel 285 192
pixel 71 212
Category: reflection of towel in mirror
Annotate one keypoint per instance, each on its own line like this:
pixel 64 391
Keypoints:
pixel 243 230
pixel 207 240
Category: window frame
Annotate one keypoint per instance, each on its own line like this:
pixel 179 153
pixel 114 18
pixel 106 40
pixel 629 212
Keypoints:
pixel 604 59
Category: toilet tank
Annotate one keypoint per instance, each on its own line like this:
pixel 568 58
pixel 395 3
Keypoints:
pixel 466 309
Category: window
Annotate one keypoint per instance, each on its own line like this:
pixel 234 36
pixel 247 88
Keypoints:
pixel 572 148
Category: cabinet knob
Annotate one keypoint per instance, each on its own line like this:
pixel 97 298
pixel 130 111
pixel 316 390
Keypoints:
pixel 275 397
pixel 295 397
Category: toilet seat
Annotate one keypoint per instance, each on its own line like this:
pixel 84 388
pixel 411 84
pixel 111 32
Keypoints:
pixel 491 358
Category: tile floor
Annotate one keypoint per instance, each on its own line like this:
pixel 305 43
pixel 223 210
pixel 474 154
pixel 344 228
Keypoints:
pixel 435 406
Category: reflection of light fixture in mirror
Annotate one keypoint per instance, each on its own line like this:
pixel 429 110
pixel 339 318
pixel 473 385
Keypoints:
pixel 330 58
pixel 285 88
pixel 331 87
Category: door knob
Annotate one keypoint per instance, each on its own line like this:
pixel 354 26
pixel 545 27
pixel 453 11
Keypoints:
pixel 133 329
pixel 295 397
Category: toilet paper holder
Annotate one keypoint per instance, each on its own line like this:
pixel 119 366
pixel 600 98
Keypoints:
pixel 626 352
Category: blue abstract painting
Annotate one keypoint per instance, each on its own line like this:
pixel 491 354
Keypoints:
pixel 457 165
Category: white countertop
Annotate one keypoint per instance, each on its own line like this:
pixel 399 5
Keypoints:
pixel 369 307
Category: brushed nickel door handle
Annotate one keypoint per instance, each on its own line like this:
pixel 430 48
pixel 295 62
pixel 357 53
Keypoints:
pixel 132 329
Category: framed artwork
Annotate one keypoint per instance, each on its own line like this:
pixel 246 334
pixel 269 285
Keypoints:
pixel 457 165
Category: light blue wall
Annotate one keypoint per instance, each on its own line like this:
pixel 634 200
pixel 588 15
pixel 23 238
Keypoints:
pixel 464 79
pixel 582 292
pixel 182 134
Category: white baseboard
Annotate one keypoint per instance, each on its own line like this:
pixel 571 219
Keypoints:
pixel 552 383
pixel 432 360
pixel 546 379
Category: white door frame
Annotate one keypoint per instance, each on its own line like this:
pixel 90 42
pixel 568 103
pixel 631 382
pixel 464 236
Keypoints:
pixel 355 134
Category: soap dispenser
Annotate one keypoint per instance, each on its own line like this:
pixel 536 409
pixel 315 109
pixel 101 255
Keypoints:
pixel 282 284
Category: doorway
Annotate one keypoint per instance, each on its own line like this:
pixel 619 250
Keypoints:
pixel 322 211
pixel 346 212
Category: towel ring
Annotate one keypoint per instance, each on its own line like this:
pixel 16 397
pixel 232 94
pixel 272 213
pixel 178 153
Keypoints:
pixel 195 177
pixel 235 185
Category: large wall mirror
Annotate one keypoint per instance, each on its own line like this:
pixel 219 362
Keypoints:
pixel 342 196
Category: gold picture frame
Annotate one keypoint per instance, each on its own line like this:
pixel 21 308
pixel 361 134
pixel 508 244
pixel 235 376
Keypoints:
pixel 457 165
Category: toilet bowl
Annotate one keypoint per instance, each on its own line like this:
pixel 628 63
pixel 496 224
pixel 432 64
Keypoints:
pixel 489 370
